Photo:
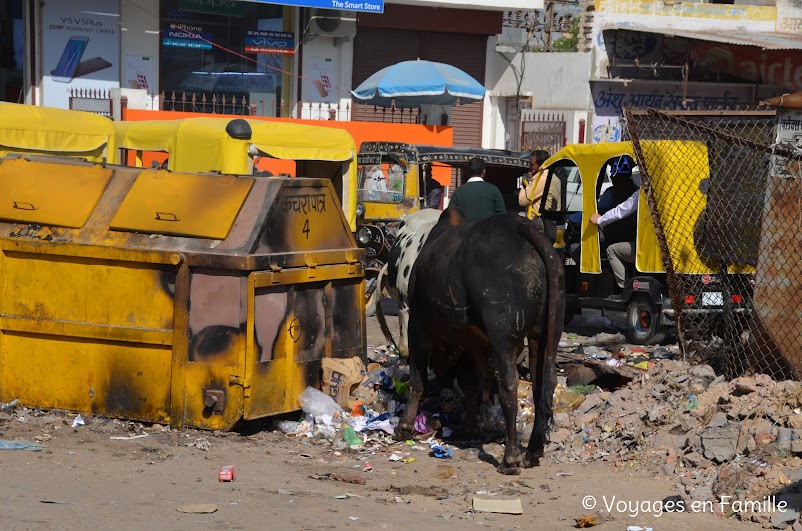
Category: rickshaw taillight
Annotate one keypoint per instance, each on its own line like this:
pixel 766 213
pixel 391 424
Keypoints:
pixel 689 299
pixel 737 299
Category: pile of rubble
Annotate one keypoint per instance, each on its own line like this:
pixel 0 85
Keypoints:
pixel 740 438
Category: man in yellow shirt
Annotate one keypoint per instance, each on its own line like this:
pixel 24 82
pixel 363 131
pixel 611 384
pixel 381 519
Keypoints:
pixel 533 192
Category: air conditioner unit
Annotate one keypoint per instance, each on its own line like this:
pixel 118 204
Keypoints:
pixel 332 23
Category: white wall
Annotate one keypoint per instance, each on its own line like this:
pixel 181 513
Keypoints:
pixel 553 81
pixel 139 37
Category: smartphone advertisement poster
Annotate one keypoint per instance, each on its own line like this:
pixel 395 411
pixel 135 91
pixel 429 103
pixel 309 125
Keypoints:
pixel 81 45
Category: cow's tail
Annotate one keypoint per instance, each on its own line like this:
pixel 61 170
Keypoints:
pixel 544 367
pixel 379 312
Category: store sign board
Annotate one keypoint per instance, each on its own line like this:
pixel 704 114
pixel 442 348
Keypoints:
pixel 270 42
pixel 231 8
pixel 370 6
pixel 180 38
pixel 81 48
pixel 789 136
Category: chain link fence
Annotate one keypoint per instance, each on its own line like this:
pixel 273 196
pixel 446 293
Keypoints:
pixel 729 233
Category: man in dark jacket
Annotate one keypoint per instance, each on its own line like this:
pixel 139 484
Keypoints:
pixel 477 198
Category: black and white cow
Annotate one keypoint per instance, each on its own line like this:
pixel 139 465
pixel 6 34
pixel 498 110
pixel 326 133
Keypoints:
pixel 409 241
pixel 476 291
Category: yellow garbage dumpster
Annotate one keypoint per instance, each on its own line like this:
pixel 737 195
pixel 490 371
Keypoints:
pixel 188 299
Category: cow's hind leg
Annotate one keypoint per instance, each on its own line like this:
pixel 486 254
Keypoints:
pixel 543 377
pixel 470 383
pixel 419 352
pixel 503 352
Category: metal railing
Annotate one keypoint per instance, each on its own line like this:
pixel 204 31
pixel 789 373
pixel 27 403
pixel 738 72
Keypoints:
pixel 96 101
pixel 543 130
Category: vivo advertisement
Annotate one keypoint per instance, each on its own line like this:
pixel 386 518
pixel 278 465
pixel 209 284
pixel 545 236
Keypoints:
pixel 81 45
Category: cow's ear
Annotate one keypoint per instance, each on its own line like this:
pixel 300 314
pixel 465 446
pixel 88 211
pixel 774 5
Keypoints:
pixel 453 216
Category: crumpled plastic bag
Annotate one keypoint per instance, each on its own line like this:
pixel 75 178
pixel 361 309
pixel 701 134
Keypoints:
pixel 317 403
pixel 441 451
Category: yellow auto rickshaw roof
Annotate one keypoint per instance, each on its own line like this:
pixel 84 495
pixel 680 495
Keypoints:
pixel 46 129
pixel 285 140
pixel 148 135
pixel 282 140
pixel 590 155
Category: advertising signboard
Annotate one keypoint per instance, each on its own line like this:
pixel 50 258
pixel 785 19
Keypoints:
pixel 81 48
pixel 269 42
pixel 369 6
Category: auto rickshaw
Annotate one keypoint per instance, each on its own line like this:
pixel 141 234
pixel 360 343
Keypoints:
pixel 645 298
pixel 31 130
pixel 245 147
pixel 399 169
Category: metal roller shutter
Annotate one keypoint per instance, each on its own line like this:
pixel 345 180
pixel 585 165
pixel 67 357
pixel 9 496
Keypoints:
pixel 375 48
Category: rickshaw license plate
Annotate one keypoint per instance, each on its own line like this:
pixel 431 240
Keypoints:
pixel 712 298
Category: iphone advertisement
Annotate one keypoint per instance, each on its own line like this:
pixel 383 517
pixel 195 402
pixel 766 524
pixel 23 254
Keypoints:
pixel 81 48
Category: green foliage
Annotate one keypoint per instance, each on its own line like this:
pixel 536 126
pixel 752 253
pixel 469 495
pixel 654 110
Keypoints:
pixel 570 40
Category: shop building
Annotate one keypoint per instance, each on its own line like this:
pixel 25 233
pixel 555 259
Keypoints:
pixel 269 59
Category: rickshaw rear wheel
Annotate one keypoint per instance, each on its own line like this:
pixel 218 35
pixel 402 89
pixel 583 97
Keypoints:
pixel 644 322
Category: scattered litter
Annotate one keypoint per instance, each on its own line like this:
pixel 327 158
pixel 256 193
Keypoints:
pixel 200 444
pixel 661 353
pixel 288 426
pixel 497 505
pixel 316 403
pixel 587 521
pixel 55 502
pixel 564 474
pixel 353 518
pixel 227 473
pixel 130 437
pixel 341 476
pixel 346 496
pixel 198 508
pixel 395 456
pixel 19 445
pixel 638 528
pixel 78 421
pixel 8 406
pixel 441 451
pixel 367 468
pixel 604 338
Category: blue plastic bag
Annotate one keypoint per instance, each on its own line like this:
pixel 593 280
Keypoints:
pixel 441 451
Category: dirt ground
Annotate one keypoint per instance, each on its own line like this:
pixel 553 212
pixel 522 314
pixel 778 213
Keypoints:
pixel 84 478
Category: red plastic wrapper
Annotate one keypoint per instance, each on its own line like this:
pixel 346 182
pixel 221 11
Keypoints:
pixel 227 473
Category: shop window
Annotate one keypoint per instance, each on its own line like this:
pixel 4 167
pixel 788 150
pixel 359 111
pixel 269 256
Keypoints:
pixel 11 51
pixel 191 65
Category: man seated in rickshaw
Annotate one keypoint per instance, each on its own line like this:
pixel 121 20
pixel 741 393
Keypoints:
pixel 620 228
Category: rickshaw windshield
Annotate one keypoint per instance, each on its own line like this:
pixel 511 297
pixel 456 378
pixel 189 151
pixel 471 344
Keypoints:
pixel 381 177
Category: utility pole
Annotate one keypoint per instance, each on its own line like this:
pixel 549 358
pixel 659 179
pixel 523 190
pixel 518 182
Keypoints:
pixel 549 25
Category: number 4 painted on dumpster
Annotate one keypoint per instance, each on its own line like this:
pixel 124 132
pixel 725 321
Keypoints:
pixel 306 228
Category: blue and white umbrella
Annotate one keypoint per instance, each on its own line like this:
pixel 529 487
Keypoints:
pixel 416 83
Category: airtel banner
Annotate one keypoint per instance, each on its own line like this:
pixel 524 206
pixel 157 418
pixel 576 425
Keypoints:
pixel 779 68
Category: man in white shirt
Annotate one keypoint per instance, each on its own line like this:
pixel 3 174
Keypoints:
pixel 619 252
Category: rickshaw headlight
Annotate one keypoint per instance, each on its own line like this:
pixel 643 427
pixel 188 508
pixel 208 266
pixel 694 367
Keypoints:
pixel 363 234
pixel 360 209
